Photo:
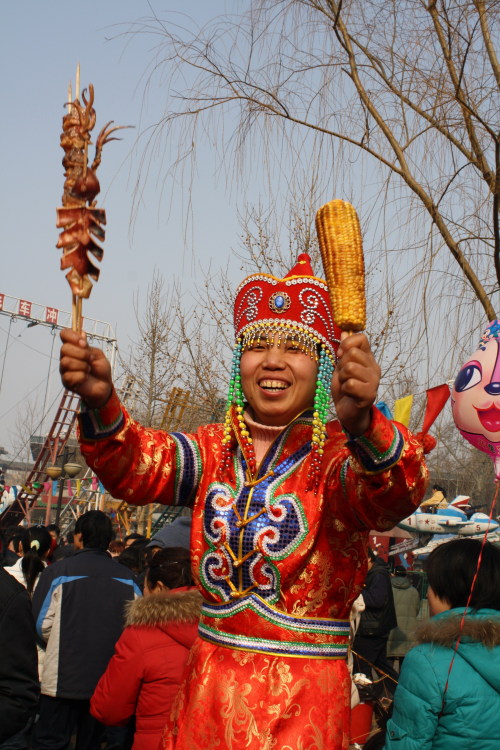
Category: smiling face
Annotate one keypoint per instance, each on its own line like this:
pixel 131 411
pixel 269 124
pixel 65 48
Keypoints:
pixel 476 394
pixel 279 382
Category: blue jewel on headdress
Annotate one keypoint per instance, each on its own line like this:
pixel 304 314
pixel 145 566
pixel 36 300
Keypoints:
pixel 279 302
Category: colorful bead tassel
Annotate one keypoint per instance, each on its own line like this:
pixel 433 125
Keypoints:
pixel 320 415
pixel 235 397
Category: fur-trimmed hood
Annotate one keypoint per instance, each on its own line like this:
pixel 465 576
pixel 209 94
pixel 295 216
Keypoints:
pixel 179 606
pixel 479 639
pixel 444 631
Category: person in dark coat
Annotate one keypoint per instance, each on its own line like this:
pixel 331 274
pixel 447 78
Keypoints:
pixel 377 620
pixel 12 547
pixel 175 534
pixel 407 604
pixel 19 686
pixel 79 604
pixel 65 550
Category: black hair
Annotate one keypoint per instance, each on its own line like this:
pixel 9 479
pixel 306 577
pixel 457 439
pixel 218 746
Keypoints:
pixel 438 488
pixel 96 529
pixel 15 537
pixel 376 741
pixel 36 542
pixel 134 557
pixel 135 536
pixel 170 566
pixel 451 568
pixel 53 527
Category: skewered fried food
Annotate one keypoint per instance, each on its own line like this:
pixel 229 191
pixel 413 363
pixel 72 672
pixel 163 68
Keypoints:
pixel 81 221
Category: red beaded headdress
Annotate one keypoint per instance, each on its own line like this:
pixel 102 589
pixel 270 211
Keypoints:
pixel 297 305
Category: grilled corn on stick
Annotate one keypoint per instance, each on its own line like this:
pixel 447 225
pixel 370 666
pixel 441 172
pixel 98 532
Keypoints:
pixel 339 236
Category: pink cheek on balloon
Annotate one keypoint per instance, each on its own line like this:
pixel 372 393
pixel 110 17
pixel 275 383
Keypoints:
pixel 464 413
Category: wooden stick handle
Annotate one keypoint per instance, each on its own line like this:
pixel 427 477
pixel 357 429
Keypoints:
pixel 74 316
pixel 79 304
pixel 76 313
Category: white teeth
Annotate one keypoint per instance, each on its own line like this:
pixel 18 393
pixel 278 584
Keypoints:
pixel 274 385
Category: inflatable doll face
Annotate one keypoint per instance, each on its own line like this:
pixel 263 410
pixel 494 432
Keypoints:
pixel 476 393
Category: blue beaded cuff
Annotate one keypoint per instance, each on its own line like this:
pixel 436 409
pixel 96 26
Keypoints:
pixel 371 458
pixel 188 468
pixel 98 424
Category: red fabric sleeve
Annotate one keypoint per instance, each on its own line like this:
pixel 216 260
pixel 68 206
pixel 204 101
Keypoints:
pixel 385 478
pixel 135 463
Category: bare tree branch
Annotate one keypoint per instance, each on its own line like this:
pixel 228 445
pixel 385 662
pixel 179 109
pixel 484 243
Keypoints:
pixel 392 105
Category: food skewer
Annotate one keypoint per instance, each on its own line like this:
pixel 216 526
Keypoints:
pixel 79 218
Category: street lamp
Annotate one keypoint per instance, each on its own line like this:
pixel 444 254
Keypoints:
pixel 69 470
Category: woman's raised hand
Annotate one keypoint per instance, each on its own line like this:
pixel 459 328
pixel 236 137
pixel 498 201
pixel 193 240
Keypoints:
pixel 84 369
pixel 355 383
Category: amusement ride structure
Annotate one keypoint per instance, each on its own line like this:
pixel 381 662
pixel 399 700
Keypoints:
pixel 54 459
pixel 53 450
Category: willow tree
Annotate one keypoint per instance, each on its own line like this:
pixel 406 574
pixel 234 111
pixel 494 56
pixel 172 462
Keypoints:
pixel 392 104
pixel 152 365
pixel 172 376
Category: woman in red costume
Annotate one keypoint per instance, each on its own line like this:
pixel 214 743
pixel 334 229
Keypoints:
pixel 282 505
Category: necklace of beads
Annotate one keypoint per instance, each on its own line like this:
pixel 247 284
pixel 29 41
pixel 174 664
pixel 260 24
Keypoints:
pixel 235 397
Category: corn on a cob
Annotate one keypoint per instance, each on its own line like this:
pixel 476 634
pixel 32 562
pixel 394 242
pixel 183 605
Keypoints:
pixel 339 236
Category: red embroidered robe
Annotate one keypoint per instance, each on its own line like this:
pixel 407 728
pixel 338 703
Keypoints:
pixel 278 567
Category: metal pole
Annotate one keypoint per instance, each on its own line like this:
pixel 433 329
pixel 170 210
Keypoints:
pixel 59 498
pixel 5 353
pixel 48 377
pixel 50 500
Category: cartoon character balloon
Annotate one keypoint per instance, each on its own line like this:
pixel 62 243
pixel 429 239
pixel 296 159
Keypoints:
pixel 476 396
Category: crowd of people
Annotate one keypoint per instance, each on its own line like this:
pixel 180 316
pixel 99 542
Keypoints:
pixel 113 685
pixel 246 642
pixel 98 642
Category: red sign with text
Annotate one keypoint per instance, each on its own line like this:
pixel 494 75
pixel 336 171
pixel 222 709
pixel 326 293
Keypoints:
pixel 24 308
pixel 51 315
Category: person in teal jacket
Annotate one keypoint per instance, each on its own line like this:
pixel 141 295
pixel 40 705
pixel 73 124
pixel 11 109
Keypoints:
pixel 448 696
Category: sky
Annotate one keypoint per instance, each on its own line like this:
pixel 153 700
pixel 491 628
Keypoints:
pixel 172 229
pixel 41 43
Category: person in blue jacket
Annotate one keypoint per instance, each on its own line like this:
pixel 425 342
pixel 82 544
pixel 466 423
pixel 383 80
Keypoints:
pixel 448 696
pixel 79 604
